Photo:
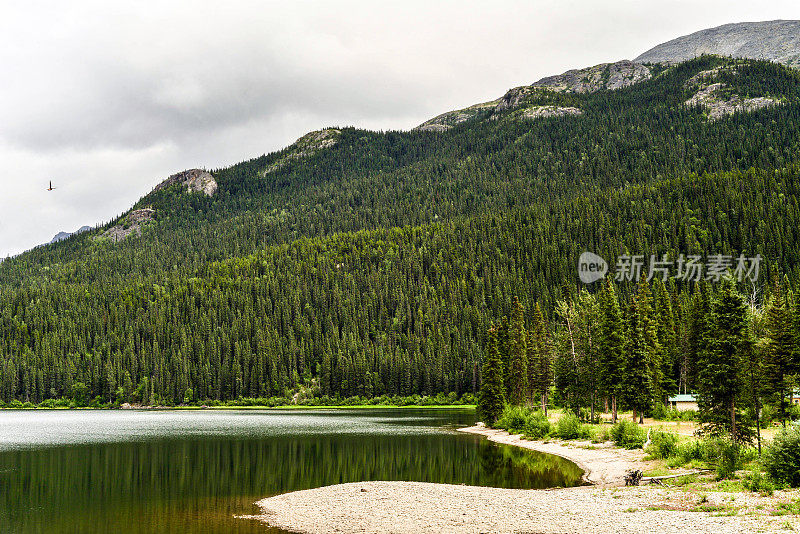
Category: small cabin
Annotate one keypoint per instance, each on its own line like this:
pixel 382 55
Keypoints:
pixel 683 402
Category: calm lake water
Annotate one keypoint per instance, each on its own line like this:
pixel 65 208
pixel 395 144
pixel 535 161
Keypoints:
pixel 193 471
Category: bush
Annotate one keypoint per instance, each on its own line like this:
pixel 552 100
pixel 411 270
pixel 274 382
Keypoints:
pixel 523 420
pixel 725 455
pixel 537 427
pixel 602 435
pixel 756 481
pixel 513 419
pixel 663 445
pixel 628 434
pixel 570 427
pixel 782 458
pixel 662 413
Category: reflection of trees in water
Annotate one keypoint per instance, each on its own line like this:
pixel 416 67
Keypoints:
pixel 106 487
pixel 514 467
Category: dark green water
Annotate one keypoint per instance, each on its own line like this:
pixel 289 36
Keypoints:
pixel 192 472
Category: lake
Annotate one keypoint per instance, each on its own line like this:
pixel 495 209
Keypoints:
pixel 192 471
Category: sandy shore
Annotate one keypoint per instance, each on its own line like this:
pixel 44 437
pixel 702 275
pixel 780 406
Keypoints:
pixel 410 507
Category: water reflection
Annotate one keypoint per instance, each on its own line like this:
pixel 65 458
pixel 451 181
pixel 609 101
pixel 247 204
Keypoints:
pixel 197 483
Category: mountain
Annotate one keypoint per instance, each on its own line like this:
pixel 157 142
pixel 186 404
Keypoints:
pixel 370 263
pixel 776 40
pixel 60 236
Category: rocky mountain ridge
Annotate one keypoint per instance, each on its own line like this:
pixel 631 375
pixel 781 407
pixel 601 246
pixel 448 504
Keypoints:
pixel 775 40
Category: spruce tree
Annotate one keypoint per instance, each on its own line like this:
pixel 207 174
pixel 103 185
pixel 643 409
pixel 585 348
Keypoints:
pixel 780 364
pixel 719 375
pixel 491 398
pixel 611 345
pixel 665 374
pixel 517 347
pixel 540 372
pixel 641 353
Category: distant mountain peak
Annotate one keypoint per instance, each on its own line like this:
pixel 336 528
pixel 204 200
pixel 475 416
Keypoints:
pixel 775 40
pixel 60 236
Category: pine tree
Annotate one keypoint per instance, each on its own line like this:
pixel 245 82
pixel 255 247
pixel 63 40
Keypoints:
pixel 699 332
pixel 780 362
pixel 641 353
pixel 719 375
pixel 665 376
pixel 491 398
pixel 517 347
pixel 540 372
pixel 611 345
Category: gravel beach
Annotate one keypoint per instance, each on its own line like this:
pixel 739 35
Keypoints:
pixel 602 464
pixel 411 507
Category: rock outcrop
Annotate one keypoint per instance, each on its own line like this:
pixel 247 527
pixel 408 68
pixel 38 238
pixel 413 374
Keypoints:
pixel 540 112
pixel 445 121
pixel 776 40
pixel 306 146
pixel 130 224
pixel 603 76
pixel 713 97
pixel 195 180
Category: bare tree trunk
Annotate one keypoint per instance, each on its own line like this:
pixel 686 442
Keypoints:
pixel 614 409
pixel 758 424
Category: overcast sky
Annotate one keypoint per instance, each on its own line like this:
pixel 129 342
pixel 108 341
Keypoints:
pixel 107 98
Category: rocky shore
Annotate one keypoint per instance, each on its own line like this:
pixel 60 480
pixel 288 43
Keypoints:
pixel 602 508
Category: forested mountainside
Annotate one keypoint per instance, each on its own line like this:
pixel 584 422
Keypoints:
pixel 373 263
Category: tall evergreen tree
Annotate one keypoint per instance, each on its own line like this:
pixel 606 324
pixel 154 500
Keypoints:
pixel 611 345
pixel 491 397
pixel 641 353
pixel 540 372
pixel 518 355
pixel 719 375
pixel 780 362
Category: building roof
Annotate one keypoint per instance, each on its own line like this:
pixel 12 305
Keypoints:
pixel 684 397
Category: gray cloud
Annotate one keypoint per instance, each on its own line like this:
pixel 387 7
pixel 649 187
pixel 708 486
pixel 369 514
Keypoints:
pixel 108 98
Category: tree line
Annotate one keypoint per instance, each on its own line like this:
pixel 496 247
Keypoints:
pixel 736 352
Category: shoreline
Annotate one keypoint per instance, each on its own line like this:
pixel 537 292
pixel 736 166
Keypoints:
pixel 259 407
pixel 602 465
pixel 602 507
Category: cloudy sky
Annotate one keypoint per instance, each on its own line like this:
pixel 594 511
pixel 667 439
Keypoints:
pixel 108 98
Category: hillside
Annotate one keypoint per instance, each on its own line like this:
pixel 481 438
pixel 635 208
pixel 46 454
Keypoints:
pixel 374 262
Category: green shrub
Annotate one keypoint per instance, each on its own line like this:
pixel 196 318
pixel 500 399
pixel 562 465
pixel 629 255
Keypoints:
pixel 663 445
pixel 782 458
pixel 602 435
pixel 570 427
pixel 523 420
pixel 725 454
pixel 756 481
pixel 628 434
pixel 662 413
pixel 537 427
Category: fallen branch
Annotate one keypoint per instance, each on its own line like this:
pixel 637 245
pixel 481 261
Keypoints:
pixel 658 479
